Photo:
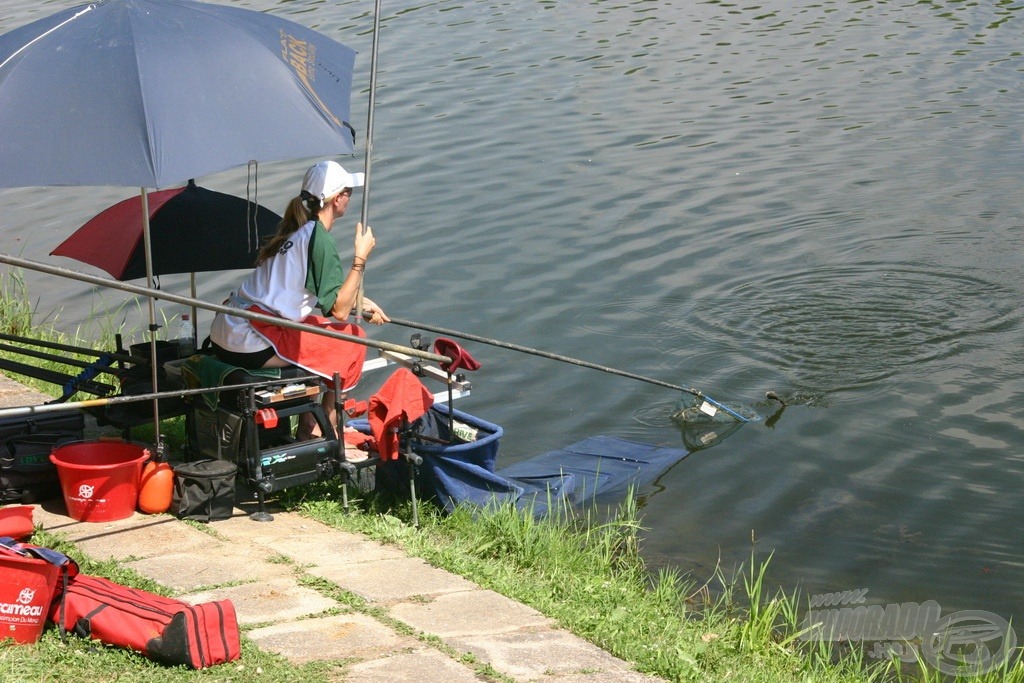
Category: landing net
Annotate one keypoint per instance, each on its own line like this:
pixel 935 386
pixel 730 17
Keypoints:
pixel 696 410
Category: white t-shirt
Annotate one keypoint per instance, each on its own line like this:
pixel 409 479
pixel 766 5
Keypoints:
pixel 305 274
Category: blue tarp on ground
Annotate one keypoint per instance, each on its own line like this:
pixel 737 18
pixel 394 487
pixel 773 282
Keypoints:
pixel 596 468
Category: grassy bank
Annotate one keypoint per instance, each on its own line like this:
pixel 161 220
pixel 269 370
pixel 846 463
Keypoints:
pixel 589 576
pixel 583 570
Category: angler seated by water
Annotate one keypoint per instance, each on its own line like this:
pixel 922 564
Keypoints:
pixel 298 271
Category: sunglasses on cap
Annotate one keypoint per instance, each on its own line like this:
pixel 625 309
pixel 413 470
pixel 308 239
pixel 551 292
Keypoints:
pixel 306 196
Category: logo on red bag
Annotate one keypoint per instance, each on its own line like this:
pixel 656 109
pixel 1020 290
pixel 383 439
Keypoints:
pixel 85 491
pixel 23 608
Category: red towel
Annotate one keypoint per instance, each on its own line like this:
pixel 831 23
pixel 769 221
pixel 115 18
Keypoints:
pixel 460 356
pixel 357 439
pixel 314 352
pixel 401 398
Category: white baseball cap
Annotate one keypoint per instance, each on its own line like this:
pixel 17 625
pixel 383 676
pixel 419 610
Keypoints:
pixel 328 178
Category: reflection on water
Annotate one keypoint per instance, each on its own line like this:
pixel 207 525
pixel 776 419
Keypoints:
pixel 819 199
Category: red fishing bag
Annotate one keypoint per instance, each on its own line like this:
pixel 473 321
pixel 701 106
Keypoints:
pixel 164 629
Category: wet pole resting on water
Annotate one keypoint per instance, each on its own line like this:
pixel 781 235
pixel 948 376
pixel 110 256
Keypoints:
pixel 364 214
pixel 572 361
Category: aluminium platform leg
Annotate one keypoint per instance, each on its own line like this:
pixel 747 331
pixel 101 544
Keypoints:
pixel 254 469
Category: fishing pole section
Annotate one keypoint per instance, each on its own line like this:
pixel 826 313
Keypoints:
pixel 700 408
pixel 364 213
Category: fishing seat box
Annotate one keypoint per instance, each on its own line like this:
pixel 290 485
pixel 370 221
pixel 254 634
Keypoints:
pixel 268 455
pixel 26 473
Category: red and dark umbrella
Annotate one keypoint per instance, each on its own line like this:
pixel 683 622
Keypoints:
pixel 192 229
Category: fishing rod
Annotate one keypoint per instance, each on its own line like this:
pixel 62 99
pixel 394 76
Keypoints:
pixel 54 358
pixel 16 411
pixel 566 359
pixel 67 382
pixel 73 349
pixel 364 216
pixel 154 294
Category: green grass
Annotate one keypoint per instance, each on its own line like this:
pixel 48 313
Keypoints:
pixel 585 571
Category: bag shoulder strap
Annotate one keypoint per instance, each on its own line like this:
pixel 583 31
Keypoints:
pixel 54 557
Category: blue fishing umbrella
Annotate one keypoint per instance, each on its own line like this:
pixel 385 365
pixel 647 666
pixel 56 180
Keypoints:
pixel 150 93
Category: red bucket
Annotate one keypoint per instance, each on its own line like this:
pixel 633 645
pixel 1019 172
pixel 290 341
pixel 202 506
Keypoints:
pixel 16 521
pixel 99 479
pixel 26 591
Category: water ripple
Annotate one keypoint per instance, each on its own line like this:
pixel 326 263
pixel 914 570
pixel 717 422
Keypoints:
pixel 836 328
pixel 829 328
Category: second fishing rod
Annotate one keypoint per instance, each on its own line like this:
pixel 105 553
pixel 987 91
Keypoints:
pixel 572 361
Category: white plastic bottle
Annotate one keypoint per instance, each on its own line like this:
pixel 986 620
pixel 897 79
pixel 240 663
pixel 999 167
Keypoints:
pixel 186 337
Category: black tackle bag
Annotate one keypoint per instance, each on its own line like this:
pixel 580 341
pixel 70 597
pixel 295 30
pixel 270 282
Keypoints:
pixel 204 490
pixel 26 473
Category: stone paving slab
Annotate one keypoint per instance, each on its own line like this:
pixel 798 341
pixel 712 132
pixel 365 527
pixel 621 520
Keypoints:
pixel 206 566
pixel 411 667
pixel 307 542
pixel 539 654
pixel 139 536
pixel 629 676
pixel 332 638
pixel 464 613
pixel 239 526
pixel 393 580
pixel 329 549
pixel 267 601
pixel 13 394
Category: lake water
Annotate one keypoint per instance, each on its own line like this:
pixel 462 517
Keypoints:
pixel 817 198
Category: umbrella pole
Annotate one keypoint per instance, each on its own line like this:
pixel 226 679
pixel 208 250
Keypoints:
pixel 195 311
pixel 364 216
pixel 153 327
